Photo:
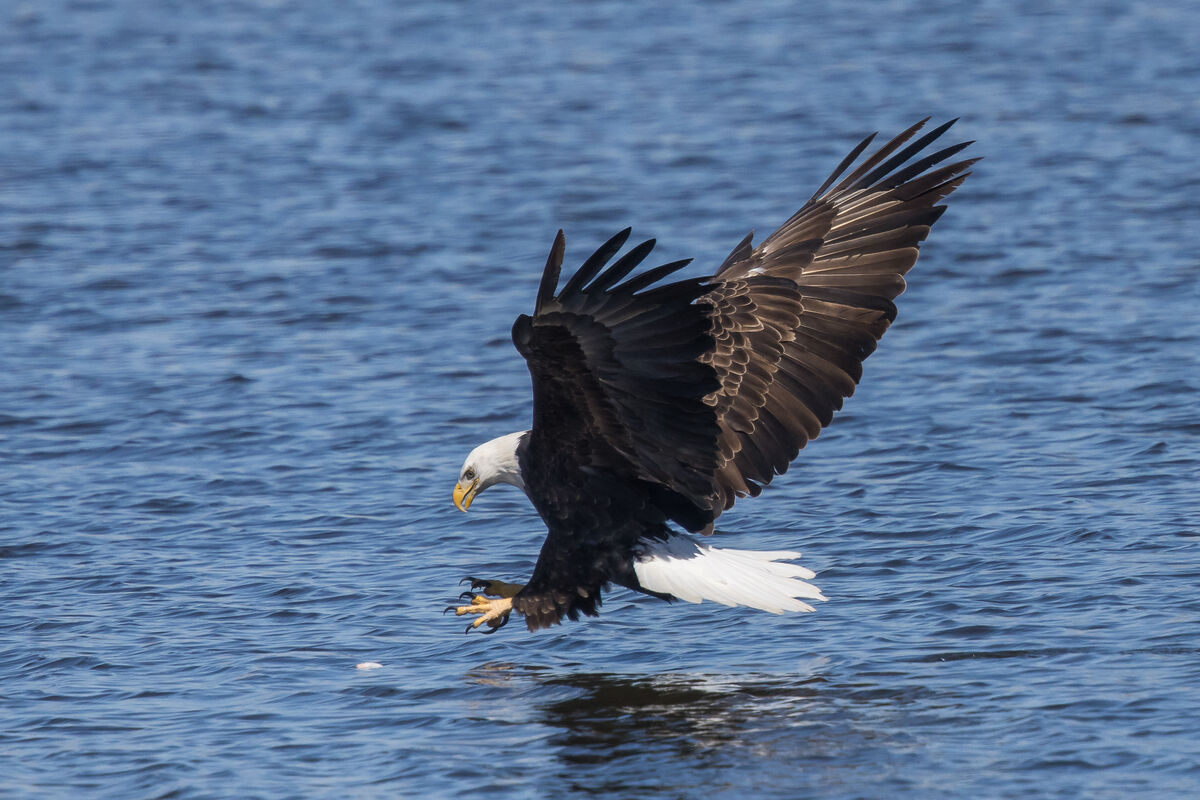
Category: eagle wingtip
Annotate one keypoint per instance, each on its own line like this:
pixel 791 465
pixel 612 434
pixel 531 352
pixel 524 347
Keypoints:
pixel 550 274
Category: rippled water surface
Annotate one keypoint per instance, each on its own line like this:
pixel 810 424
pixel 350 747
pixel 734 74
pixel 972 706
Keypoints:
pixel 258 264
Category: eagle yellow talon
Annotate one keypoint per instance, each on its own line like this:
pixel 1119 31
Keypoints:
pixel 493 613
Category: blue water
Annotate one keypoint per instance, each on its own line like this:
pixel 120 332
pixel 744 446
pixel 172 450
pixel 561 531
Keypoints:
pixel 258 265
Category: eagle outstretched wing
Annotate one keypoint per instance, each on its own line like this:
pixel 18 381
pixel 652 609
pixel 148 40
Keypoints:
pixel 794 318
pixel 706 388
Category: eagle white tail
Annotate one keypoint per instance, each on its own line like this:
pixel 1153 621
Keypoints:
pixel 694 571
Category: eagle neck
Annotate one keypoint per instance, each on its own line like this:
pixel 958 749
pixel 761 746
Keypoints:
pixel 504 457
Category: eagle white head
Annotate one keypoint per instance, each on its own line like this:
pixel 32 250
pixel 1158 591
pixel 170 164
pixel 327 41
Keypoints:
pixel 491 463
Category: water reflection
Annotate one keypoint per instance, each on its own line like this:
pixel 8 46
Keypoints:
pixel 687 734
pixel 612 716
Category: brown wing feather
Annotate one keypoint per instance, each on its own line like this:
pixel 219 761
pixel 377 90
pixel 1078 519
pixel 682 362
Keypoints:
pixel 794 318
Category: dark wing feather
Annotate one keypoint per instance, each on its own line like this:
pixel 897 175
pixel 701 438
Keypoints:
pixel 795 317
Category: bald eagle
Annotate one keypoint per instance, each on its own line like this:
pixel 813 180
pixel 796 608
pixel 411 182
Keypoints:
pixel 656 403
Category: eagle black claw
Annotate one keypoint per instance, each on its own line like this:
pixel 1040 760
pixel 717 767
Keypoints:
pixel 494 628
pixel 466 595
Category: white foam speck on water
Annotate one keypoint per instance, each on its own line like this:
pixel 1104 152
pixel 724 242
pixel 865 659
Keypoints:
pixel 368 665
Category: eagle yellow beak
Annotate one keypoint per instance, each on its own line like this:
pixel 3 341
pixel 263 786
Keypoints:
pixel 463 495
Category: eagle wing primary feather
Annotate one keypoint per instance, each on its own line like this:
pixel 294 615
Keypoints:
pixel 794 318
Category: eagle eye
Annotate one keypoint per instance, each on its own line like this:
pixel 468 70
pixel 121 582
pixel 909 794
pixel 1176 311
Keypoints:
pixel 469 474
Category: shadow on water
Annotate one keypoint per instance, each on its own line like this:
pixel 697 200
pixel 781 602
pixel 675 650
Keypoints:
pixel 677 734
